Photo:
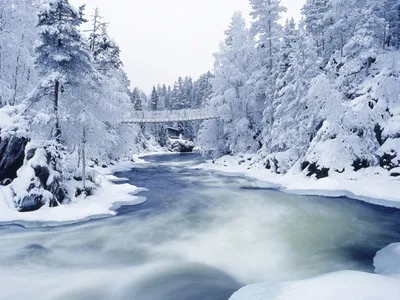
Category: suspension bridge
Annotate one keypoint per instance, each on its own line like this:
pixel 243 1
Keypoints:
pixel 167 116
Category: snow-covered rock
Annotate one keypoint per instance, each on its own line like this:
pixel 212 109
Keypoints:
pixel 106 198
pixel 182 146
pixel 13 139
pixel 38 183
pixel 11 157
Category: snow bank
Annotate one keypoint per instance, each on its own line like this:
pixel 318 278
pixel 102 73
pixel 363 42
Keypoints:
pixel 373 185
pixel 340 285
pixel 387 261
pixel 106 199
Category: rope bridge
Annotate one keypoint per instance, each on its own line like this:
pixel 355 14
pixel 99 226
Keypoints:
pixel 167 116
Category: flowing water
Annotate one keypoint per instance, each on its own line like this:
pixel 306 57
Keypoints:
pixel 200 236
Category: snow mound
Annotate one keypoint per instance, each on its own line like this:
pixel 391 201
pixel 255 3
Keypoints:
pixel 340 285
pixel 387 261
pixel 104 203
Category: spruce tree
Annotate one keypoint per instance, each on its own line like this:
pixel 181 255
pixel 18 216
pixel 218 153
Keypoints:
pixel 105 51
pixel 136 99
pixel 154 99
pixel 266 15
pixel 62 55
pixel 315 14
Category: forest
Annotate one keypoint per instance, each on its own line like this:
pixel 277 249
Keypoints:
pixel 317 97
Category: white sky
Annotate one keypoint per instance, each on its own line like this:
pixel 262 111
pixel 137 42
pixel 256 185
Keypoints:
pixel 164 39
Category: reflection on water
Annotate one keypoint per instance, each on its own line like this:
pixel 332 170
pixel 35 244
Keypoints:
pixel 200 236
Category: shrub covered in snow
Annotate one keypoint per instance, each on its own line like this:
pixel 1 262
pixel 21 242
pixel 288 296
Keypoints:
pixel 40 180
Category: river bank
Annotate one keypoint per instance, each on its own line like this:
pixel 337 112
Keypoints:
pixel 372 185
pixel 103 203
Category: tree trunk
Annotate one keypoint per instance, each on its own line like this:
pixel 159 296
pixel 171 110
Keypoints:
pixel 270 44
pixel 57 131
pixel 17 69
pixel 398 28
pixel 83 168
pixel 83 155
pixel 79 157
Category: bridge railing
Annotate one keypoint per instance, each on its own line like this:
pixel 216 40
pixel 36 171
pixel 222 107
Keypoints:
pixel 173 115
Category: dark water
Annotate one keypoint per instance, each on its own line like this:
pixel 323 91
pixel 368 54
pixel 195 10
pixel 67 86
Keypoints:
pixel 200 236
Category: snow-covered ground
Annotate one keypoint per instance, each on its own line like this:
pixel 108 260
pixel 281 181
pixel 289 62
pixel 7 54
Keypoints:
pixel 344 285
pixel 385 284
pixel 103 203
pixel 372 185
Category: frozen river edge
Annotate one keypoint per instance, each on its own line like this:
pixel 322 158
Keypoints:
pixel 370 185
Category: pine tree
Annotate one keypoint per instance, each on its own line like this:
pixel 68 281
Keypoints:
pixel 266 15
pixel 154 99
pixel 317 21
pixel 202 90
pixel 293 114
pixel 232 94
pixel 268 32
pixel 62 56
pixel 168 100
pixel 17 35
pixel 368 38
pixel 162 95
pixel 137 100
pixel 391 13
pixel 105 51
pixel 341 21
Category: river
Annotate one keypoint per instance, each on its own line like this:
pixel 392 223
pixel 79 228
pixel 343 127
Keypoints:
pixel 201 235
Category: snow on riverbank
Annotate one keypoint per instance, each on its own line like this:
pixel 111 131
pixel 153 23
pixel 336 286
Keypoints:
pixel 372 185
pixel 385 284
pixel 344 285
pixel 387 261
pixel 107 198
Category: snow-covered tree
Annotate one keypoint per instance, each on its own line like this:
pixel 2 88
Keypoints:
pixel 154 99
pixel 266 28
pixel 316 18
pixel 84 102
pixel 367 39
pixel 233 94
pixel 62 55
pixel 341 22
pixel 137 99
pixel 115 91
pixel 17 37
pixel 105 51
pixel 294 114
pixel 162 92
pixel 390 11
pixel 202 90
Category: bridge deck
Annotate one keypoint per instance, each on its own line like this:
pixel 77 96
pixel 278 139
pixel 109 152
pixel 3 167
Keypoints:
pixel 166 116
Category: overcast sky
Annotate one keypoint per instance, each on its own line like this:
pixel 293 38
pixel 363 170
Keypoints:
pixel 164 39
